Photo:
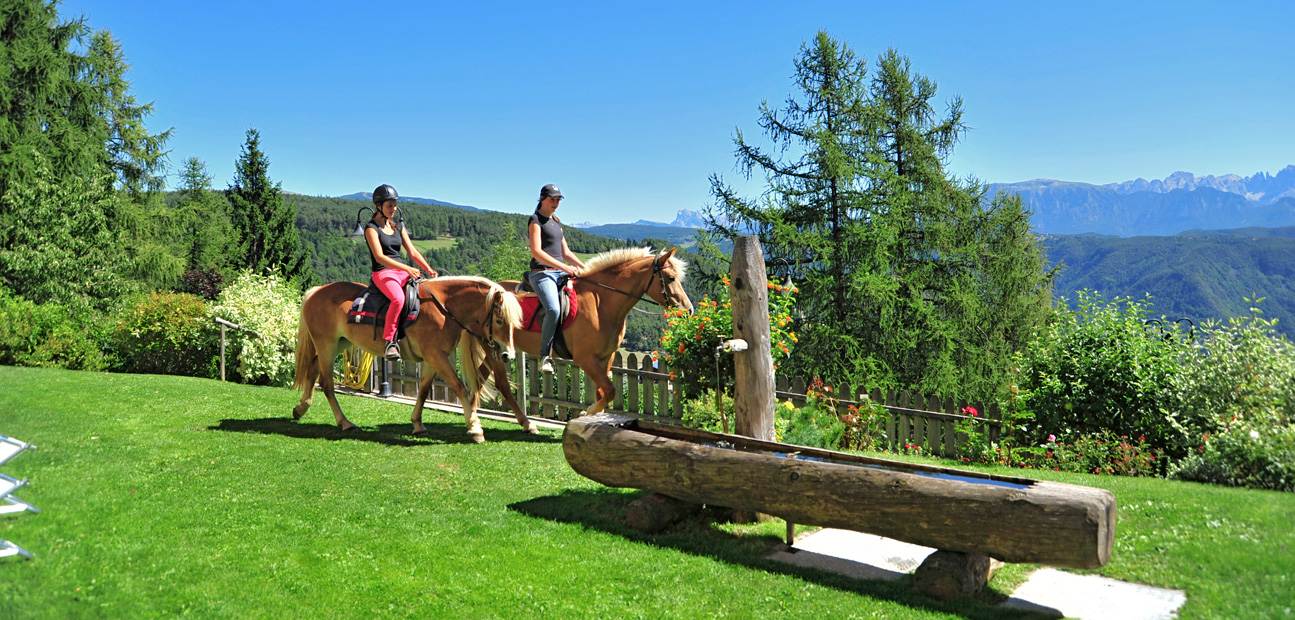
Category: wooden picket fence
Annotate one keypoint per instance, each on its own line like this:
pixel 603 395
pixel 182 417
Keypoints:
pixel 917 420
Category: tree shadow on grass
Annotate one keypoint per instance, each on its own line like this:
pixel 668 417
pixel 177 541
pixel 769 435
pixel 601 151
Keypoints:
pixel 387 434
pixel 698 535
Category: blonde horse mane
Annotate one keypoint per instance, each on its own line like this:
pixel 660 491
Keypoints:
pixel 612 258
pixel 472 354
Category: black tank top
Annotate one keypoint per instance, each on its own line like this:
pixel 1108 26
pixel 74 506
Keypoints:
pixel 390 245
pixel 550 238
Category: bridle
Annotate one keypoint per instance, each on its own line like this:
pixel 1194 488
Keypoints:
pixel 487 324
pixel 658 270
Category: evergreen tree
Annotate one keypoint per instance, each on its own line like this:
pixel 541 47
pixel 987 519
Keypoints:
pixel 908 277
pixel 69 131
pixel 200 221
pixel 263 222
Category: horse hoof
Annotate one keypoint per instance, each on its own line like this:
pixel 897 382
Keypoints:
pixel 531 429
pixel 477 437
pixel 350 429
pixel 422 433
pixel 296 415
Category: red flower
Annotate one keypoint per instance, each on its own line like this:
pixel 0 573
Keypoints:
pixel 971 411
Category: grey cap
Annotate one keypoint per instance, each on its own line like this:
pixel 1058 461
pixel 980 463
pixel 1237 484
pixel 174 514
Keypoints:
pixel 550 190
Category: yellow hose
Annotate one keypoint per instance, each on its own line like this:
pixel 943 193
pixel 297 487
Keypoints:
pixel 355 373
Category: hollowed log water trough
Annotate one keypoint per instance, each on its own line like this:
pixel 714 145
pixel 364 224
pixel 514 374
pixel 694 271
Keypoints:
pixel 1002 517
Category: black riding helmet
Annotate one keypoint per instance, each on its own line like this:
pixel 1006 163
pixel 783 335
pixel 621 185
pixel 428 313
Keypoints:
pixel 384 193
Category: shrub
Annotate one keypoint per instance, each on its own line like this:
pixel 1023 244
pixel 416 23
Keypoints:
pixel 816 424
pixel 270 307
pixel 1244 375
pixel 48 335
pixel 1099 369
pixel 1261 458
pixel 689 343
pixel 204 283
pixel 166 333
pixel 700 413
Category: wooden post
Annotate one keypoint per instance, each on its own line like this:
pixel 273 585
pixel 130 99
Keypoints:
pixel 753 368
pixel 222 352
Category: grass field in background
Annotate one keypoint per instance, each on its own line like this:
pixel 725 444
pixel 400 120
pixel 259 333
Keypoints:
pixel 439 243
pixel 165 496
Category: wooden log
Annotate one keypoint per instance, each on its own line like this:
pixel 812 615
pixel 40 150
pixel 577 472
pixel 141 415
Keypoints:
pixel 655 512
pixel 1011 519
pixel 752 368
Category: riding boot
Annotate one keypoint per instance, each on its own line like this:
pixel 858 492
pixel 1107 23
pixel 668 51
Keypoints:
pixel 393 351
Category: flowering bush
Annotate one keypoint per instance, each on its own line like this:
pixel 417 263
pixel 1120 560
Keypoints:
pixel 166 333
pixel 1095 453
pixel 1243 375
pixel 700 413
pixel 268 306
pixel 1262 458
pixel 816 424
pixel 689 343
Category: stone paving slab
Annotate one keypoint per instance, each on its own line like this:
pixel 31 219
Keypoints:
pixel 1049 591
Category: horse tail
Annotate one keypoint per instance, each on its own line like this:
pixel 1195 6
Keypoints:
pixel 306 353
pixel 476 369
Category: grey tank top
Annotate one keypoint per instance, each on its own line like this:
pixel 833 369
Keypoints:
pixel 550 238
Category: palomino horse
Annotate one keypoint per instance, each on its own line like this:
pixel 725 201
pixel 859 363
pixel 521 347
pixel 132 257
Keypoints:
pixel 614 282
pixel 478 310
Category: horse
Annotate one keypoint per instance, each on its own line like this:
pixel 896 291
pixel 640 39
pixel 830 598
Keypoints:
pixel 465 310
pixel 612 284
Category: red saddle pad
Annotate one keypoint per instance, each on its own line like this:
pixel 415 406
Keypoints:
pixel 531 305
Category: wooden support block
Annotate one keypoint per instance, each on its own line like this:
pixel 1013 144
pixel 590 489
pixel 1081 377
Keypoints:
pixel 954 575
pixel 655 512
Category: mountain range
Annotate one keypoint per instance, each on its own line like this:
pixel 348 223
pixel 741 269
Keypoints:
pixel 1180 202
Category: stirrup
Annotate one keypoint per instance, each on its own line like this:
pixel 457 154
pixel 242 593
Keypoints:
pixel 393 352
pixel 547 365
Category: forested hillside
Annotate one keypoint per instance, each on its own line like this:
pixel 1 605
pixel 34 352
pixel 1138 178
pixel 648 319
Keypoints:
pixel 1206 274
pixel 324 223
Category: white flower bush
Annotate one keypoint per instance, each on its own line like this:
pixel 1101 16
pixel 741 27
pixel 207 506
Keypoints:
pixel 270 307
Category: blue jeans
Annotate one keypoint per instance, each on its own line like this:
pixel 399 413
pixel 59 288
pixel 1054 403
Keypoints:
pixel 545 284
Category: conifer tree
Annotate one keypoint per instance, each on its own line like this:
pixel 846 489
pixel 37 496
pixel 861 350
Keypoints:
pixel 909 277
pixel 264 223
pixel 70 131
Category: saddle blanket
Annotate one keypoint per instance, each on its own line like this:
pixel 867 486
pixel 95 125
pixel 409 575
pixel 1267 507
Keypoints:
pixel 532 319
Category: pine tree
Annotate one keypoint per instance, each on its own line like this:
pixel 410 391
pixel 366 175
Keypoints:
pixel 909 277
pixel 71 132
pixel 263 222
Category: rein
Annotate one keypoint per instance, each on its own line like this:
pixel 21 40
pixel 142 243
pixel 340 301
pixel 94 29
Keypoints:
pixel 665 292
pixel 446 311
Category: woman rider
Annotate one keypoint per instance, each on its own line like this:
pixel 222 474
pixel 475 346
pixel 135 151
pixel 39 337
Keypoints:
pixel 549 260
pixel 385 238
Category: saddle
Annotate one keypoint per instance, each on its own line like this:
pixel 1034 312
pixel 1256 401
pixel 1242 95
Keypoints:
pixel 533 319
pixel 370 308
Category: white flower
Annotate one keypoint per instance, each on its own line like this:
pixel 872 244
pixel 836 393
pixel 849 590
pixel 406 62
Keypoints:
pixel 1254 434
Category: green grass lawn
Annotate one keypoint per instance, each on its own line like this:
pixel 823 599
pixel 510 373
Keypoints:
pixel 439 243
pixel 167 496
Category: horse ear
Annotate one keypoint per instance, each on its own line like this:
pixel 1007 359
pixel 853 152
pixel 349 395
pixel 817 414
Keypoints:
pixel 665 256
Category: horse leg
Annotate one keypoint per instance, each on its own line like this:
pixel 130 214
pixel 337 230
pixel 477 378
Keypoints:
pixel 501 383
pixel 326 354
pixel 441 365
pixel 307 392
pixel 596 368
pixel 424 390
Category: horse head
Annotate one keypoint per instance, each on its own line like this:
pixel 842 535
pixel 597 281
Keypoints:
pixel 504 317
pixel 670 272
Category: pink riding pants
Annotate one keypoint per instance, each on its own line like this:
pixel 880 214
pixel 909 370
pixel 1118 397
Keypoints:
pixel 391 282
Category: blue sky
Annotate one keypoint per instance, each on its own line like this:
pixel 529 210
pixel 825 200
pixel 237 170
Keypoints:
pixel 630 106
